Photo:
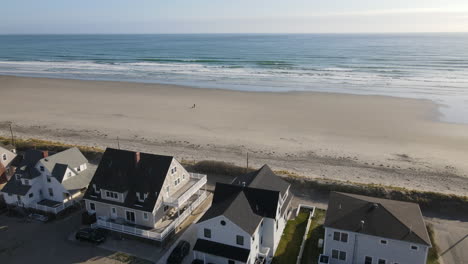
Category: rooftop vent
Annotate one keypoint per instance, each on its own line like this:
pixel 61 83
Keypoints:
pixel 137 158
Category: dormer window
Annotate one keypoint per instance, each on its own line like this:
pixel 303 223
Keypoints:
pixel 112 195
pixel 4 157
pixel 95 188
pixel 26 182
pixel 41 168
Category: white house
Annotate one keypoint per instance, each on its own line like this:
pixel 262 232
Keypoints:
pixel 368 230
pixel 245 221
pixel 7 155
pixel 141 194
pixel 47 183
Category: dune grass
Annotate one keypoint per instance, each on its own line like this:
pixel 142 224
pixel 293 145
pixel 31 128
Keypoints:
pixel 433 255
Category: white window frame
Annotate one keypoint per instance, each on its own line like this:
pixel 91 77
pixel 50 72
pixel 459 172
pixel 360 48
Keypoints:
pixel 114 214
pixel 130 211
pixel 416 247
pixel 91 209
pixel 145 216
pixel 383 242
pixel 378 260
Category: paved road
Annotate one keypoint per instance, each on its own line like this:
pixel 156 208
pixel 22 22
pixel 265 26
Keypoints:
pixel 452 239
pixel 35 242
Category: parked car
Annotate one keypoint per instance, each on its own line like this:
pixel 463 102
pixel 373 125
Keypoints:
pixel 179 253
pixel 91 235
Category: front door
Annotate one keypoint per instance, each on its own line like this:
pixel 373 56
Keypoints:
pixel 131 216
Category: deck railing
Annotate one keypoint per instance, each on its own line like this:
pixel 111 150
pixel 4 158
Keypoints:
pixel 47 209
pixel 158 236
pixel 178 201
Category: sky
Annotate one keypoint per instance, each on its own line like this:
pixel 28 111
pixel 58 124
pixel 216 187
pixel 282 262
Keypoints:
pixel 239 16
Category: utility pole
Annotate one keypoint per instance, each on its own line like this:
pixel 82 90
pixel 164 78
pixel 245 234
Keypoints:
pixel 12 137
pixel 247 162
pixel 118 143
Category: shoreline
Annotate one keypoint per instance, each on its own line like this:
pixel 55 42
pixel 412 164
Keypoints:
pixel 364 139
pixel 434 115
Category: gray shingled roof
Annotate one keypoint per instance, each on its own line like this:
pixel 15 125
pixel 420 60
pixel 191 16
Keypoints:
pixel 71 157
pixel 247 205
pixel 14 186
pixel 80 181
pixel 118 171
pixel 264 178
pixel 382 217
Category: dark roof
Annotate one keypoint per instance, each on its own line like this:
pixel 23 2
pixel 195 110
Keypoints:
pixel 26 167
pixel 14 186
pixel 59 171
pixel 264 178
pixel 244 206
pixel 118 171
pixel 222 250
pixel 382 217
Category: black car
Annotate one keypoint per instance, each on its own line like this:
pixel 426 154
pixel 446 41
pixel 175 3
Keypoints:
pixel 179 253
pixel 90 234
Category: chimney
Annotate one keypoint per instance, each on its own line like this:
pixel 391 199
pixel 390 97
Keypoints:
pixel 137 158
pixel 45 153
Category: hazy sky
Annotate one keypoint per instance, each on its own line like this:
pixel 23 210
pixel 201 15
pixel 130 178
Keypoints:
pixel 239 16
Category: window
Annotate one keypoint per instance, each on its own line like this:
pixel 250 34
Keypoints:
pixel 145 216
pixel 114 211
pixel 41 168
pixel 175 183
pixel 183 176
pixel 414 247
pixel 207 233
pixel 239 240
pixel 338 236
pixel 382 261
pixel 26 182
pixel 223 223
pixel 92 206
pixel 384 242
pixel 130 216
pixel 31 195
pixel 48 179
pixel 341 255
pixel 79 168
pixel 166 207
pixel 231 261
pixel 69 174
pixel 178 180
pixel 51 192
pixel 368 260
pixel 344 237
pixel 4 157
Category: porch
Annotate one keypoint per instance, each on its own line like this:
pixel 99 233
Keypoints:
pixel 162 228
pixel 50 206
pixel 195 183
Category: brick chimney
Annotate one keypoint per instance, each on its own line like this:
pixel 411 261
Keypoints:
pixel 137 158
pixel 45 153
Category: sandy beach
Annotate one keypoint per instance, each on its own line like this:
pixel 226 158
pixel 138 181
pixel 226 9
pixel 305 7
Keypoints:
pixel 367 139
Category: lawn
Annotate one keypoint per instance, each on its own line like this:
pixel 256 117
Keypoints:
pixel 316 231
pixel 288 247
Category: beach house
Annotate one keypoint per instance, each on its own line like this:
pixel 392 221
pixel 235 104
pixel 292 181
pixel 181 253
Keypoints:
pixel 142 194
pixel 245 221
pixel 7 155
pixel 49 183
pixel 362 229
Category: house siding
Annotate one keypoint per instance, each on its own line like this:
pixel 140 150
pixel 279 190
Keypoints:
pixel 360 245
pixel 104 210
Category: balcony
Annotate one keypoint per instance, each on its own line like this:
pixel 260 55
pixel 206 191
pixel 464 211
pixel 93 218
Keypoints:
pixel 180 197
pixel 161 230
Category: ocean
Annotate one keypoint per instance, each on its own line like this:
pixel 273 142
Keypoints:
pixel 426 66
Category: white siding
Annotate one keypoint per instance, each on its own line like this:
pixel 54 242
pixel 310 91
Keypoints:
pixel 360 245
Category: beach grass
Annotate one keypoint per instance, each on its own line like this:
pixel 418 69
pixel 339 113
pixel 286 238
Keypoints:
pixel 433 256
